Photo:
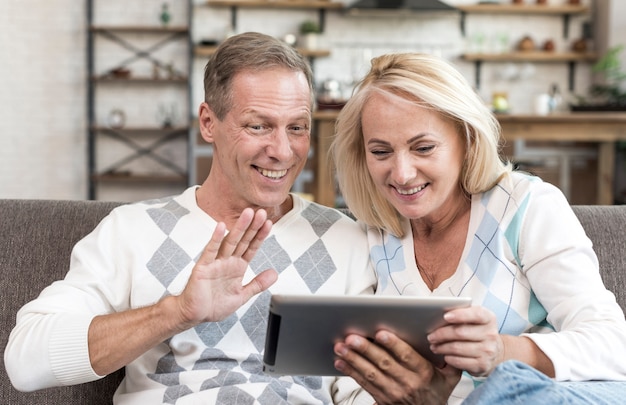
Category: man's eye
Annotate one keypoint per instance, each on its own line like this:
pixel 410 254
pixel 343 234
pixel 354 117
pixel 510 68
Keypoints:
pixel 258 128
pixel 299 129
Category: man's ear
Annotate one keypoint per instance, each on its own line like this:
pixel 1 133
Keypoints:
pixel 206 122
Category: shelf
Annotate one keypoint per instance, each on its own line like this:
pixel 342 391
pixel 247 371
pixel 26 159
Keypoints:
pixel 565 10
pixel 138 79
pixel 523 9
pixel 306 4
pixel 137 29
pixel 141 130
pixel 138 178
pixel 320 5
pixel 309 53
pixel 531 56
pixel 571 58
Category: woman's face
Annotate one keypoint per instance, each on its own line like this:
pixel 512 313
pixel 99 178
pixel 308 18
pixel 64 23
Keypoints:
pixel 414 156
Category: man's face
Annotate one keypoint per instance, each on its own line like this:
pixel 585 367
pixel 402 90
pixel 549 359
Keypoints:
pixel 261 145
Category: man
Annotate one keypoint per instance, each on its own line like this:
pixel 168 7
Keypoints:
pixel 187 319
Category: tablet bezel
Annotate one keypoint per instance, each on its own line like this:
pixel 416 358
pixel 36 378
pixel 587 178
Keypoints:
pixel 302 329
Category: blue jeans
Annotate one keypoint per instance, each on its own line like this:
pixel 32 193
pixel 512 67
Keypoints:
pixel 515 383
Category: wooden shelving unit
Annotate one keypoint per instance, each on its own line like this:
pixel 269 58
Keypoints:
pixel 201 50
pixel 531 56
pixel 136 43
pixel 564 10
pixel 135 29
pixel 320 5
pixel 311 4
pixel 510 8
pixel 138 178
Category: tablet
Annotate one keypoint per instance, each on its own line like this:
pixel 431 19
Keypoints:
pixel 302 329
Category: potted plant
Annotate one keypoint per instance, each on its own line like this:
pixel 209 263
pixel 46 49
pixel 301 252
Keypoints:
pixel 309 34
pixel 610 93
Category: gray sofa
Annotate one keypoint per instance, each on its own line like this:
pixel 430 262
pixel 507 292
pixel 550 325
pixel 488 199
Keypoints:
pixel 37 235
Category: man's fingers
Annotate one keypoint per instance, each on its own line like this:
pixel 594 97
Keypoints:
pixel 249 249
pixel 260 283
pixel 230 242
pixel 212 248
pixel 249 232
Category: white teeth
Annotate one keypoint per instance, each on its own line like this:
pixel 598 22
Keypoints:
pixel 272 174
pixel 411 190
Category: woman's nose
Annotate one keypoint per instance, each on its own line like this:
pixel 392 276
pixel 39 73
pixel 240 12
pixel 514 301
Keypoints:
pixel 402 170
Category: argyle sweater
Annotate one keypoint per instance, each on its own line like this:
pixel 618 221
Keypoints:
pixel 144 251
pixel 527 259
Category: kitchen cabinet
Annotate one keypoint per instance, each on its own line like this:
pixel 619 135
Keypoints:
pixel 565 11
pixel 132 145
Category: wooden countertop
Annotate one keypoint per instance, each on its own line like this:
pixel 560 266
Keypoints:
pixel 604 117
pixel 609 117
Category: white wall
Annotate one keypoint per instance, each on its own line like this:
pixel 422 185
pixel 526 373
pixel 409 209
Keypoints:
pixel 43 73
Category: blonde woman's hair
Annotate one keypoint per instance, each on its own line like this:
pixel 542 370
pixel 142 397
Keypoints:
pixel 429 82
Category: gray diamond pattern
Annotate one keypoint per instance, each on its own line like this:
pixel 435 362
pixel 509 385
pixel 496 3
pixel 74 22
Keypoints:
pixel 214 359
pixel 321 219
pixel 254 321
pixel 168 261
pixel 167 216
pixel 173 393
pixel 315 266
pixel 275 393
pixel 234 396
pixel 212 332
pixel 270 256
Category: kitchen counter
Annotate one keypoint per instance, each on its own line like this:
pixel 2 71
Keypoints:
pixel 601 128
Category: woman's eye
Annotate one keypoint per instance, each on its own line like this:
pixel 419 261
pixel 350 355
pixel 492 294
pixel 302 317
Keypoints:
pixel 424 149
pixel 379 152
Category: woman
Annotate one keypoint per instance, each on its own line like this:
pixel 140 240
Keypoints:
pixel 417 157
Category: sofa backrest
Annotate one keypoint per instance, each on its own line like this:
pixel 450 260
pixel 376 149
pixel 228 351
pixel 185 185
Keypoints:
pixel 36 238
pixel 606 227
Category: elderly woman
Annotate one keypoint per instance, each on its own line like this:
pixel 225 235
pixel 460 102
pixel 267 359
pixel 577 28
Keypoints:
pixel 417 158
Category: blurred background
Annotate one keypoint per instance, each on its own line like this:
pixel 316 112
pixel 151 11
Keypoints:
pixel 98 99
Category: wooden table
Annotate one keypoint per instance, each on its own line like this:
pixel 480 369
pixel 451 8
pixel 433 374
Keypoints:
pixel 601 128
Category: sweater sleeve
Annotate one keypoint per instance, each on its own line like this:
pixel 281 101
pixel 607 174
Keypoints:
pixel 562 268
pixel 49 344
pixel 346 391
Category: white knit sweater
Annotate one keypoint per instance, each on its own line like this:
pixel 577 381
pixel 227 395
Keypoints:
pixel 142 252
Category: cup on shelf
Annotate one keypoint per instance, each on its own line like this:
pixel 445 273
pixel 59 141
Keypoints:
pixel 542 104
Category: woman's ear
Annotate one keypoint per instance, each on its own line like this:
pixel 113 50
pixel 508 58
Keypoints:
pixel 206 122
